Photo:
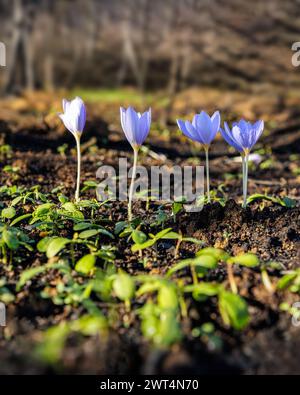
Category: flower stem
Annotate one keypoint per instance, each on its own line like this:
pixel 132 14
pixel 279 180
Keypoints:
pixel 266 281
pixel 77 138
pixel 183 307
pixel 194 275
pixel 207 174
pixel 245 179
pixel 243 166
pixel 231 279
pixel 179 241
pixel 135 158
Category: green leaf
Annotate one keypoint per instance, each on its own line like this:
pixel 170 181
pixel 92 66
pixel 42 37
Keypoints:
pixel 10 239
pixel 148 287
pixel 91 183
pixel 75 214
pixel 139 237
pixel 172 236
pixel 105 232
pixel 120 226
pixel 89 325
pixel 234 310
pixel 288 202
pixel 50 350
pixel 161 217
pixel 204 289
pixel 169 328
pixel 147 244
pixel 286 280
pixel 34 271
pixel 167 297
pixel 70 207
pixel 285 202
pixel 29 274
pixel 176 207
pixel 62 198
pixel 193 240
pixel 19 219
pixel 207 261
pixel 217 253
pixel 162 233
pixel 43 209
pixel 81 226
pixel 124 286
pixel 16 200
pixel 8 212
pixel 248 260
pixel 86 234
pixel 56 245
pixel 43 244
pixel 204 261
pixel 85 264
pixel 150 320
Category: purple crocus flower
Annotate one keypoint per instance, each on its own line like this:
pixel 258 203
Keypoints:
pixel 243 135
pixel 74 115
pixel 135 125
pixel 203 128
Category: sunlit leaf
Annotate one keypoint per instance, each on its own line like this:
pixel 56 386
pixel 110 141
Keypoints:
pixel 86 264
pixel 234 310
pixel 56 245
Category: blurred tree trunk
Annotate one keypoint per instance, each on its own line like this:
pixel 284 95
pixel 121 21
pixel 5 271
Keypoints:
pixel 130 61
pixel 20 59
pixel 84 21
pixel 145 45
pixel 49 18
pixel 129 57
pixel 48 82
pixel 174 71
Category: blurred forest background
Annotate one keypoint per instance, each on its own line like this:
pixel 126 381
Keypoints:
pixel 177 55
pixel 150 44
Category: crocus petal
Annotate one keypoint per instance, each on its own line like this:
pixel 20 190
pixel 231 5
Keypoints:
pixel 227 135
pixel 243 135
pixel 258 128
pixel 144 124
pixel 143 129
pixel 198 135
pixel 131 124
pixel 65 105
pixel 204 128
pixel 239 137
pixel 148 115
pixel 136 126
pixel 216 121
pixel 82 119
pixel 122 118
pixel 74 116
pixel 77 110
pixel 183 127
pixel 67 122
pixel 192 132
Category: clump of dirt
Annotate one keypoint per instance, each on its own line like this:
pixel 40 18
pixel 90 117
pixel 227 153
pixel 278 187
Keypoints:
pixel 273 233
